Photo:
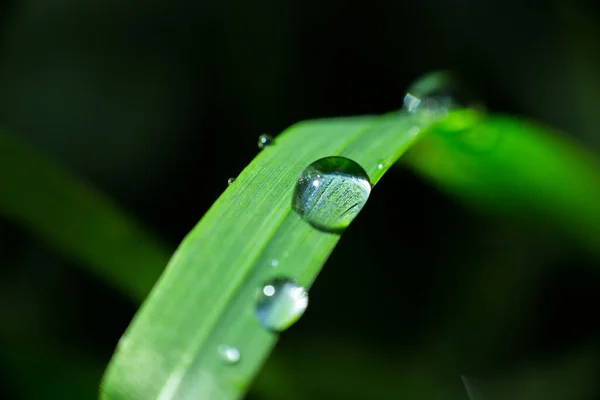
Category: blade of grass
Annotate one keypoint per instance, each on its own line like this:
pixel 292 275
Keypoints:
pixel 206 295
pixel 463 164
pixel 77 220
pixel 513 166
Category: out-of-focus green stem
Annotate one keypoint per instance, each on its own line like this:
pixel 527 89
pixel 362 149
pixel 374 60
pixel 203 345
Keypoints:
pixel 77 220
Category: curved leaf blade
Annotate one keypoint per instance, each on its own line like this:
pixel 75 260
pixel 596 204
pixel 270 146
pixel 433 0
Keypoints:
pixel 206 295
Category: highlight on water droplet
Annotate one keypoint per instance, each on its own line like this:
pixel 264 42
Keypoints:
pixel 229 354
pixel 230 181
pixel 264 141
pixel 280 303
pixel 331 192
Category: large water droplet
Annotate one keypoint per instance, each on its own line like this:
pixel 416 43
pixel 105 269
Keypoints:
pixel 229 354
pixel 331 192
pixel 432 96
pixel 281 302
pixel 264 141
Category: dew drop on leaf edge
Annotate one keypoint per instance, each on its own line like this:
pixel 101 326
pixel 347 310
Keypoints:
pixel 280 303
pixel 330 193
pixel 264 141
pixel 433 95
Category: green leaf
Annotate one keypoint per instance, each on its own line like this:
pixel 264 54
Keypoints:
pixel 206 297
pixel 516 167
pixel 77 220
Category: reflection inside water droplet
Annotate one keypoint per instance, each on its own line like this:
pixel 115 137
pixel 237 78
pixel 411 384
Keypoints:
pixel 331 192
pixel 229 354
pixel 281 302
pixel 269 290
pixel 230 181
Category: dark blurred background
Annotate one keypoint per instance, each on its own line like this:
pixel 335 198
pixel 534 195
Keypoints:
pixel 157 104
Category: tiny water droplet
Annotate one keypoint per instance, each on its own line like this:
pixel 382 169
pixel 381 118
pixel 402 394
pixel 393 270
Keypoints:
pixel 230 181
pixel 433 95
pixel 380 166
pixel 229 354
pixel 281 302
pixel 331 192
pixel 264 141
pixel 274 263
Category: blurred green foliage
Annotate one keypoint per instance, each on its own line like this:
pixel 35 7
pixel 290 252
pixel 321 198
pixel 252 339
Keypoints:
pixel 156 106
pixel 520 168
pixel 77 220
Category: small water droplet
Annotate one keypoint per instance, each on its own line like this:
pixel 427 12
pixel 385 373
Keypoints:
pixel 331 192
pixel 264 141
pixel 432 96
pixel 229 354
pixel 380 166
pixel 281 302
pixel 230 181
pixel 274 263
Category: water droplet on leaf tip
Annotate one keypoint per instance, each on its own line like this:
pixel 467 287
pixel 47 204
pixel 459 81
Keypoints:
pixel 330 193
pixel 264 141
pixel 229 354
pixel 433 95
pixel 230 181
pixel 280 303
